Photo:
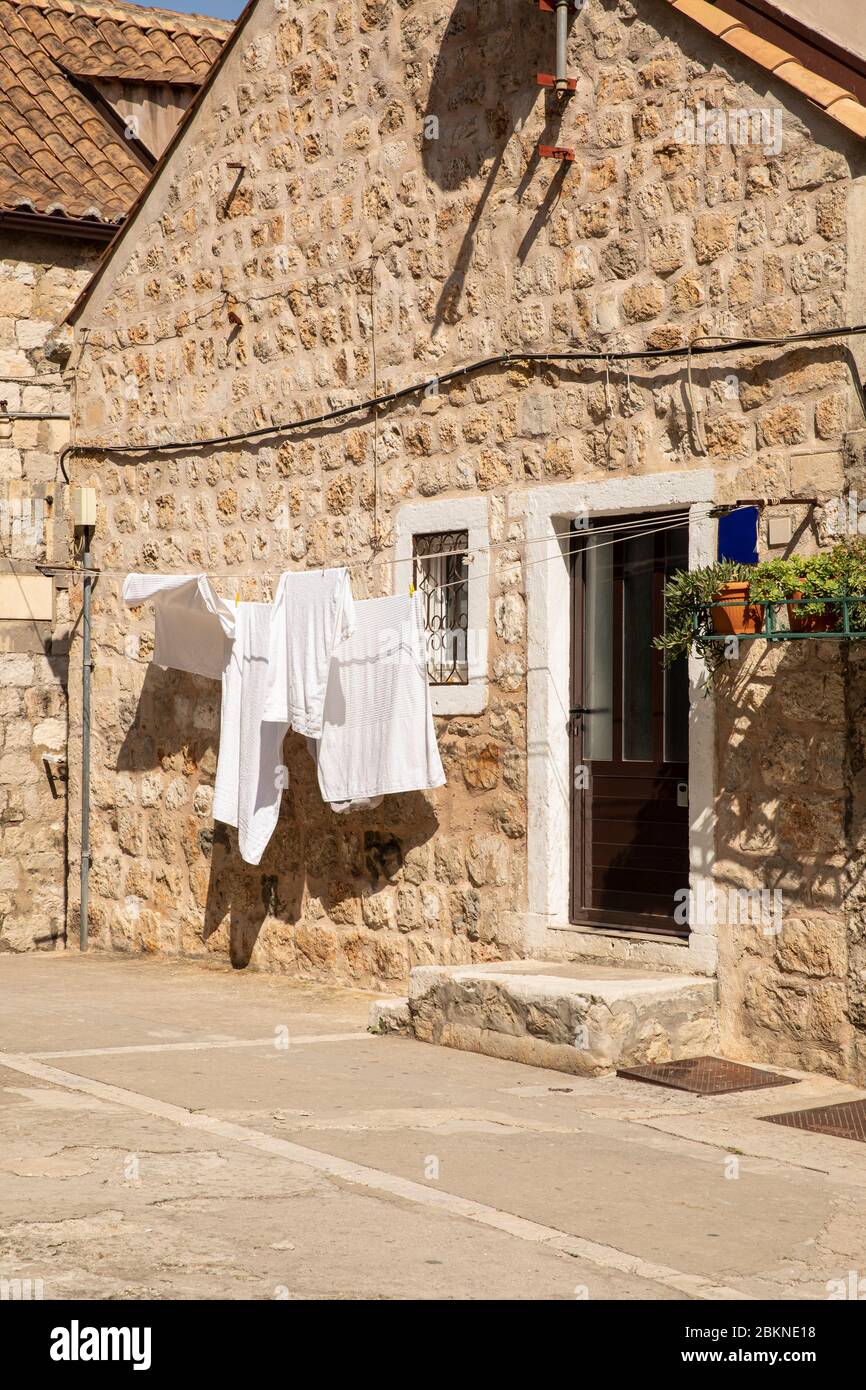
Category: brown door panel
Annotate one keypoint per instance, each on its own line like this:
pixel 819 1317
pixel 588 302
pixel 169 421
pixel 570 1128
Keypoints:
pixel 623 879
pixel 638 810
pixel 638 904
pixel 629 831
pixel 659 790
pixel 622 830
pixel 635 856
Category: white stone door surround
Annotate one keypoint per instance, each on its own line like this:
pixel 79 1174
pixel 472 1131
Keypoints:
pixel 549 513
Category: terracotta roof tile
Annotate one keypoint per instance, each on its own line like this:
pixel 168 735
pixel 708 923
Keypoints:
pixel 58 153
pixel 705 14
pixel 851 113
pixel 817 89
pixel 761 51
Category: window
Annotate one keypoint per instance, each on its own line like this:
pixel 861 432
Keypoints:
pixel 441 575
pixel 457 617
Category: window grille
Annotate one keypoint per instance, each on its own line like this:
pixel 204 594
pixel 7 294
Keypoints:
pixel 441 576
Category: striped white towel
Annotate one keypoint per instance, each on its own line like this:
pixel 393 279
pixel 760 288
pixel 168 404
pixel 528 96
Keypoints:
pixel 377 735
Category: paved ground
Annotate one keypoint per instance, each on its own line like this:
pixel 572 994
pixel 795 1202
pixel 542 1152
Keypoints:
pixel 158 1138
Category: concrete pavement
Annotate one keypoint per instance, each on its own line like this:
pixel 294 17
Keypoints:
pixel 176 1130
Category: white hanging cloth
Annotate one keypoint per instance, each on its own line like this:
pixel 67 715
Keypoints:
pixel 351 677
pixel 193 626
pixel 377 734
pixel 312 611
pixel 250 775
pixel 275 680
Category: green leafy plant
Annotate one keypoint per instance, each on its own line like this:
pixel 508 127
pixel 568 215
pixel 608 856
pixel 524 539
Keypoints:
pixel 816 578
pixel 688 615
pixel 813 578
pixel 774 581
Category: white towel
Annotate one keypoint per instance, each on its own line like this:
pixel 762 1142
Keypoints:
pixel 312 611
pixel 193 626
pixel 250 774
pixel 377 735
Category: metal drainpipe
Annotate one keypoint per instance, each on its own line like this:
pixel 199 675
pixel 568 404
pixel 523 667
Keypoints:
pixel 561 44
pixel 85 741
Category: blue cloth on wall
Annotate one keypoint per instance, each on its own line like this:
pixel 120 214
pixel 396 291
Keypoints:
pixel 738 536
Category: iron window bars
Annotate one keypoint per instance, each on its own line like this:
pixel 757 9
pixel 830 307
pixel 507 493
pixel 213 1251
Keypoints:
pixel 441 576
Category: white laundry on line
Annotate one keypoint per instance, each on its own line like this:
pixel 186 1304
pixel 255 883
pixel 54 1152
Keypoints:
pixel 311 660
pixel 281 656
pixel 312 611
pixel 193 626
pixel 377 734
pixel 250 775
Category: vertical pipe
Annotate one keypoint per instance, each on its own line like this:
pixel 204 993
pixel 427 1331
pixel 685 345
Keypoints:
pixel 561 41
pixel 85 742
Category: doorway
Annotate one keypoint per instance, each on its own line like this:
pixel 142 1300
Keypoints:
pixel 628 729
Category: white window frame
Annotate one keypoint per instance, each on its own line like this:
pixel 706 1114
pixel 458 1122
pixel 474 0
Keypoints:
pixel 467 514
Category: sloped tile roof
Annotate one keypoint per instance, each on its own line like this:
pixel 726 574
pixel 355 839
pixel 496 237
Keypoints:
pixel 840 103
pixel 58 154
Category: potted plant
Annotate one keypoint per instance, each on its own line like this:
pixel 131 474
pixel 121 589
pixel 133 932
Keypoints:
pixel 780 582
pixel 733 613
pixel 731 599
pixel 806 583
pixel 691 620
pixel 827 575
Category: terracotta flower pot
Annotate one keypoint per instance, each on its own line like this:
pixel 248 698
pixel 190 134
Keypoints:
pixel 738 617
pixel 828 620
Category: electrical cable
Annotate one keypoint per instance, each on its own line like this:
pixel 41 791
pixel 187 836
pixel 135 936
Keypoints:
pixel 709 343
pixel 38 380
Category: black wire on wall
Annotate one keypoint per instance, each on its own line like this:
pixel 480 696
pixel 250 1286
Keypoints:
pixel 702 347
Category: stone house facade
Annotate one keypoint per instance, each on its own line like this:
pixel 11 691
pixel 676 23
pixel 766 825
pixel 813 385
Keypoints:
pixel 40 277
pixel 356 203
pixel 68 176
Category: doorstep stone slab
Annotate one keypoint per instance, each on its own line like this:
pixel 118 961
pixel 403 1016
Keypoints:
pixel 587 1020
pixel 390 1016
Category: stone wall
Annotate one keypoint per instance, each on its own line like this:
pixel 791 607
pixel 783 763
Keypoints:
pixel 391 221
pixel 791 818
pixel 40 278
pixel 793 994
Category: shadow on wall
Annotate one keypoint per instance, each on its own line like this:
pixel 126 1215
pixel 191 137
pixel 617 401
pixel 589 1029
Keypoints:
pixel 341 860
pixel 175 725
pixel 482 90
pixel 790 814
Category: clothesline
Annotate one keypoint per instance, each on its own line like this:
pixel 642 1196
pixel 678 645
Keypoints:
pixel 563 554
pixel 670 521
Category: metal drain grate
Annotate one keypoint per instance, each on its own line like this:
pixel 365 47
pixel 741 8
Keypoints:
pixel 706 1076
pixel 846 1121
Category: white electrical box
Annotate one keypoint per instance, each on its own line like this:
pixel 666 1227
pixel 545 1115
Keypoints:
pixel 84 506
pixel 780 529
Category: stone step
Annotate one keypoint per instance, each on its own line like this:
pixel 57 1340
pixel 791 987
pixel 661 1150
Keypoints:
pixel 587 1019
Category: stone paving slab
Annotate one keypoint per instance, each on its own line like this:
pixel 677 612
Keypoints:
pixel 368 1166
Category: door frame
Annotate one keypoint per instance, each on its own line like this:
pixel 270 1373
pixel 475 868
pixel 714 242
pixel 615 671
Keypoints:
pixel 548 514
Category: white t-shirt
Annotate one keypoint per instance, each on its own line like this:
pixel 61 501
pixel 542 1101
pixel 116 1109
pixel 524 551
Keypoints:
pixel 250 775
pixel 193 626
pixel 313 610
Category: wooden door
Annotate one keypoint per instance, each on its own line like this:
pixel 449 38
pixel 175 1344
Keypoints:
pixel 628 729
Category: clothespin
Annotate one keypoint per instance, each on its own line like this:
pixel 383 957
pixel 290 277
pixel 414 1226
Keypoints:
pixel 411 590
